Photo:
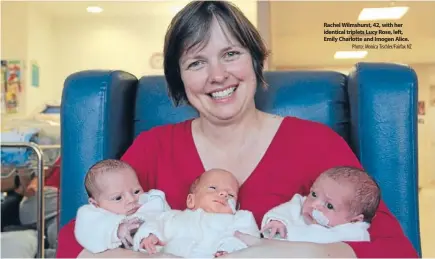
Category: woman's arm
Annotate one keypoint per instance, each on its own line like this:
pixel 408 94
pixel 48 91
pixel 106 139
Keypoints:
pixel 113 253
pixel 261 248
pixel 123 253
pixel 387 238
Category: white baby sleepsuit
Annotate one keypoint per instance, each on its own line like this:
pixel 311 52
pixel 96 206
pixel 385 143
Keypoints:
pixel 290 214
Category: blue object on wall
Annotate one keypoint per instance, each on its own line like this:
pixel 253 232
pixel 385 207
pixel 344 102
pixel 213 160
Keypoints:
pixel 35 75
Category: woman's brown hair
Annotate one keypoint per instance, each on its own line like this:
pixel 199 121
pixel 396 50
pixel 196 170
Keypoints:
pixel 191 27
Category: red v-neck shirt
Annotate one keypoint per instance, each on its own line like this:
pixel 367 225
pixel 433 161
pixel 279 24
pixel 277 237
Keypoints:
pixel 166 158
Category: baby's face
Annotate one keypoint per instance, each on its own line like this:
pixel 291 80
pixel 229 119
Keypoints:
pixel 118 192
pixel 332 199
pixel 213 191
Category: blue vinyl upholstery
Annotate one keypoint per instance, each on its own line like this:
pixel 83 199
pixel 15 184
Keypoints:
pixel 374 109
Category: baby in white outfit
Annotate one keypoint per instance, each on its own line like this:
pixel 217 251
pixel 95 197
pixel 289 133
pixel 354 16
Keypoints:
pixel 341 204
pixel 207 227
pixel 117 207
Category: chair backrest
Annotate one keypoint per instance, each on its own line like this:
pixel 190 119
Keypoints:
pixel 373 109
pixel 318 96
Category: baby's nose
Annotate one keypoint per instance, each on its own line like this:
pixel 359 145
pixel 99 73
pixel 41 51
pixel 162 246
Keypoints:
pixel 317 204
pixel 223 193
pixel 130 198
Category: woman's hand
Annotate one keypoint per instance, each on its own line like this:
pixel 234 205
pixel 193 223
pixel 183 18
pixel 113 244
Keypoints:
pixel 32 188
pixel 28 187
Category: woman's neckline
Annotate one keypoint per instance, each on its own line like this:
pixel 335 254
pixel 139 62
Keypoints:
pixel 265 156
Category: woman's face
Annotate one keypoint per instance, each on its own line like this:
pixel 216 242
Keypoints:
pixel 218 77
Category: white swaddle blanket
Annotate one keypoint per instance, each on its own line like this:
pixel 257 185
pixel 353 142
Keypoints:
pixel 290 215
pixel 196 233
pixel 96 229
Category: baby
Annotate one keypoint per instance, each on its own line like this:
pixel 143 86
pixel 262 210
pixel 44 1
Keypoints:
pixel 117 207
pixel 207 227
pixel 341 204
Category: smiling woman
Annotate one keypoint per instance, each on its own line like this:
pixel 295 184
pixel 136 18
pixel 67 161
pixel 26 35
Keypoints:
pixel 188 41
pixel 213 60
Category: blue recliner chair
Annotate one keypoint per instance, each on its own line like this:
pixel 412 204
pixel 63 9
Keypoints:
pixel 374 109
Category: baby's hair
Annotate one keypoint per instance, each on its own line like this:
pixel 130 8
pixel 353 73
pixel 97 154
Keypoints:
pixel 367 194
pixel 103 166
pixel 198 179
pixel 195 184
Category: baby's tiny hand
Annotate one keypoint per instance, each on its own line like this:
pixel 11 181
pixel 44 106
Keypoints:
pixel 274 227
pixel 126 228
pixel 149 243
pixel 220 253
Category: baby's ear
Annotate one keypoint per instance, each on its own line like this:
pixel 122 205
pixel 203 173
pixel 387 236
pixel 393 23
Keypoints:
pixel 190 201
pixel 93 202
pixel 359 218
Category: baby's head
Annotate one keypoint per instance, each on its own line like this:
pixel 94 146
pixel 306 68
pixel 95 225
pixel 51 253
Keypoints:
pixel 212 191
pixel 342 195
pixel 113 185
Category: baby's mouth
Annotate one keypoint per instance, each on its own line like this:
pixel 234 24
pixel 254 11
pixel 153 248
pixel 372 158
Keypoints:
pixel 221 202
pixel 308 218
pixel 320 218
pixel 133 210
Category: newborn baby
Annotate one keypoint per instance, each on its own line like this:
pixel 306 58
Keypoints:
pixel 341 204
pixel 207 227
pixel 117 207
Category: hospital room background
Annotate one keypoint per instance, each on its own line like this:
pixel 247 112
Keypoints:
pixel 44 42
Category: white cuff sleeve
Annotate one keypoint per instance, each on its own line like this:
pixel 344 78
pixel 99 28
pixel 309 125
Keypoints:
pixel 287 213
pixel 245 223
pixel 153 203
pixel 144 231
pixel 96 229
